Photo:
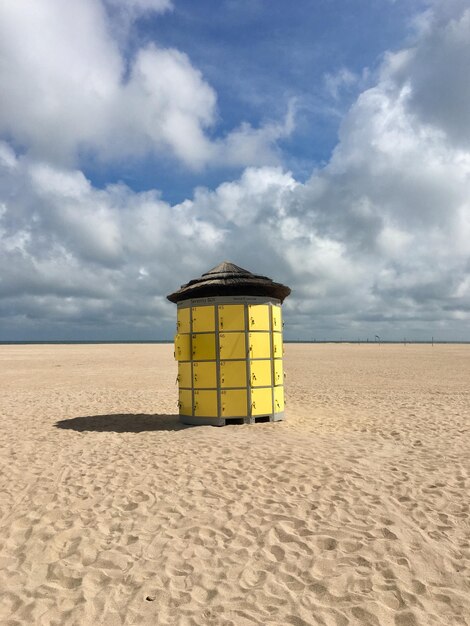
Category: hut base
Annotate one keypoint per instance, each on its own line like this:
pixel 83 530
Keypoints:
pixel 225 421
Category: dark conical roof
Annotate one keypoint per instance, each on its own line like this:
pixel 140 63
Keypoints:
pixel 228 279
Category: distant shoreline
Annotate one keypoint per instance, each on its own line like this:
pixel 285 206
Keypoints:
pixel 170 341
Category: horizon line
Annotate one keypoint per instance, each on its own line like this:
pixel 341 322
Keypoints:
pixel 170 341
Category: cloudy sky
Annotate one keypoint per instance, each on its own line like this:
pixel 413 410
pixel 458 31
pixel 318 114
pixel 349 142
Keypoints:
pixel 323 143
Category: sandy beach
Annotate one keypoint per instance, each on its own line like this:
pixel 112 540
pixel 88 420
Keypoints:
pixel 355 510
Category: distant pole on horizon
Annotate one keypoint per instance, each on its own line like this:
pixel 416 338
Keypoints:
pixel 432 342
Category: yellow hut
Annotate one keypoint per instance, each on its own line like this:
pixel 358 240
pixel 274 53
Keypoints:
pixel 229 348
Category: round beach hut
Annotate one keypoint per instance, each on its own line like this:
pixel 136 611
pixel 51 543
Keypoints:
pixel 229 349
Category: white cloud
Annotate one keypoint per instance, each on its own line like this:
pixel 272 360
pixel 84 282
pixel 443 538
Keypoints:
pixel 257 198
pixel 437 69
pixel 139 7
pixel 341 80
pixel 375 242
pixel 74 90
pixel 252 146
pixel 166 103
pixel 56 88
pixel 72 254
pixel 7 156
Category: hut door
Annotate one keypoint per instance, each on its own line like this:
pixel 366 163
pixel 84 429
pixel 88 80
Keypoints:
pixel 231 317
pixel 233 373
pixel 185 402
pixel 233 402
pixel 183 320
pixel 276 318
pixel 261 401
pixel 260 345
pixel 277 345
pixel 183 347
pixel 260 373
pixel 203 319
pixel 232 346
pixel 184 375
pixel 258 316
pixel 205 403
pixel 278 372
pixel 278 399
pixel 204 375
pixel 204 347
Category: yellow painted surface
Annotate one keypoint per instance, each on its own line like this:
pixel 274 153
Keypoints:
pixel 185 378
pixel 278 372
pixel 231 317
pixel 183 320
pixel 205 403
pixel 183 347
pixel 232 346
pixel 278 399
pixel 260 345
pixel 233 373
pixel 261 401
pixel 185 402
pixel 260 373
pixel 258 316
pixel 277 345
pixel 233 402
pixel 245 387
pixel 276 314
pixel 203 319
pixel 204 374
pixel 203 347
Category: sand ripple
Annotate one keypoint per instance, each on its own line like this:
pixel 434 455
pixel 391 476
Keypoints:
pixel 353 511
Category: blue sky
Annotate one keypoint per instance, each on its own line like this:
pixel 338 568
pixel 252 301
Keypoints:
pixel 261 57
pixel 326 144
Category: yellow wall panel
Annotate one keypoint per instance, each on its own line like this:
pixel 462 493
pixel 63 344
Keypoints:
pixel 276 314
pixel 260 345
pixel 233 373
pixel 230 361
pixel 232 346
pixel 185 402
pixel 278 399
pixel 258 316
pixel 185 378
pixel 205 403
pixel 231 317
pixel 183 320
pixel 203 319
pixel 183 347
pixel 204 374
pixel 278 372
pixel 203 347
pixel 261 401
pixel 260 373
pixel 233 402
pixel 277 346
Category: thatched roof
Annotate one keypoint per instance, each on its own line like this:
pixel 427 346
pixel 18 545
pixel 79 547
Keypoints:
pixel 227 279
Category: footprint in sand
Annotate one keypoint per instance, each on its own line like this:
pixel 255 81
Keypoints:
pixel 388 534
pixel 406 618
pixel 277 552
pixel 327 543
pixel 364 617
